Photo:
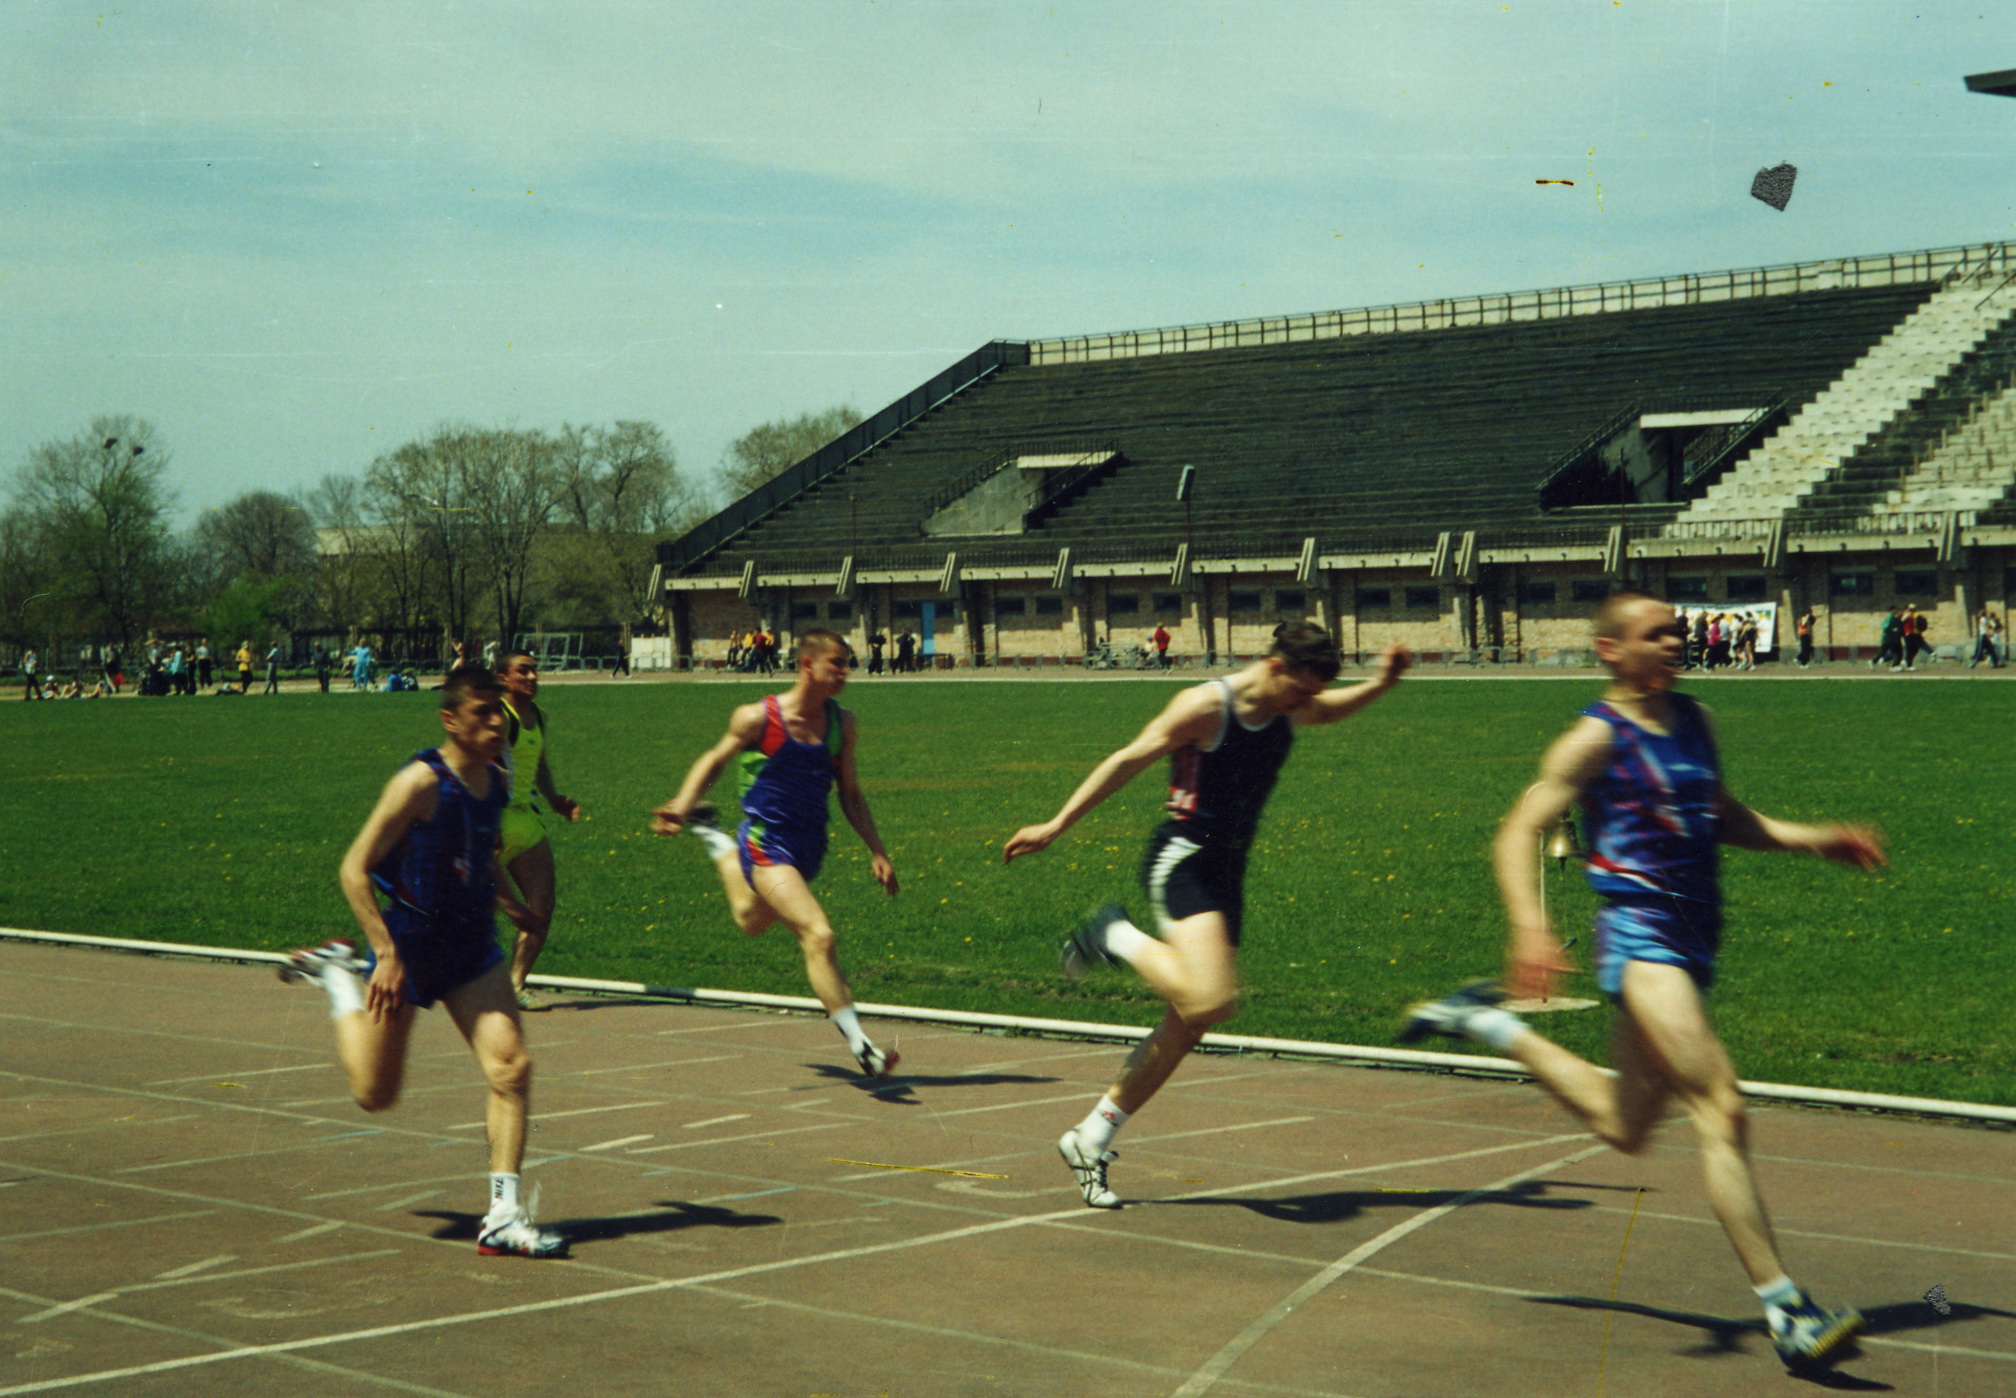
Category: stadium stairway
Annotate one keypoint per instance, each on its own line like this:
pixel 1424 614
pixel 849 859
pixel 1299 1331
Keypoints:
pixel 1897 372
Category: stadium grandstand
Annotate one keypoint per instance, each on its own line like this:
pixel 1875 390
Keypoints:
pixel 1464 475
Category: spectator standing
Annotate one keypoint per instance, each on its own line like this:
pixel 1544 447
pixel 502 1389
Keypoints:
pixel 34 689
pixel 1806 638
pixel 1986 646
pixel 1915 644
pixel 244 659
pixel 1890 641
pixel 178 665
pixel 1161 640
pixel 272 669
pixel 1746 643
pixel 876 641
pixel 490 655
pixel 360 666
pixel 1716 654
pixel 204 663
pixel 322 666
pixel 906 652
pixel 1699 636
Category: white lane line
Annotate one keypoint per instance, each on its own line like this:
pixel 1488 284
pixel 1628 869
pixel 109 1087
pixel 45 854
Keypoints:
pixel 99 1227
pixel 714 1121
pixel 313 1232
pixel 83 1302
pixel 640 1067
pixel 578 1111
pixel 315 1144
pixel 706 1278
pixel 1220 1130
pixel 96 1126
pixel 421 1197
pixel 248 1073
pixel 746 1136
pixel 1208 1374
pixel 1824 1237
pixel 619 1141
pixel 194 1267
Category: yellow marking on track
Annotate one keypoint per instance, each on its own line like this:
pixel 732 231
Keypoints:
pixel 239 1085
pixel 926 1169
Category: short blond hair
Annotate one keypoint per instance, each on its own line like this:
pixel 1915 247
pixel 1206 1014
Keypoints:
pixel 1614 609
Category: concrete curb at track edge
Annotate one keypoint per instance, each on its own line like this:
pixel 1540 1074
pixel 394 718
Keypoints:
pixel 1076 1029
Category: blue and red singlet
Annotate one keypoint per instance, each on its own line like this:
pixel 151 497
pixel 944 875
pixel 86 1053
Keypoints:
pixel 438 878
pixel 784 788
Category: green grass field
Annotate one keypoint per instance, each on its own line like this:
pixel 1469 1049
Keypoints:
pixel 221 822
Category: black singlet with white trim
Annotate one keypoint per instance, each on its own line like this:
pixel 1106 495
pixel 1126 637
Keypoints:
pixel 1217 793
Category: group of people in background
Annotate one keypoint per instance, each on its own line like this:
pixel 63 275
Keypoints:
pixel 1902 639
pixel 754 650
pixel 1720 640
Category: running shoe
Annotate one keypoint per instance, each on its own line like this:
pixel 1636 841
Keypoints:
pixel 1811 1336
pixel 518 1236
pixel 1086 946
pixel 1090 1168
pixel 310 964
pixel 703 817
pixel 877 1062
pixel 528 1001
pixel 1449 1015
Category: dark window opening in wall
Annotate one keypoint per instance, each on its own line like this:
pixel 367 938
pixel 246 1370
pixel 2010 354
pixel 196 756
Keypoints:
pixel 1852 585
pixel 907 611
pixel 1589 589
pixel 1917 582
pixel 1374 599
pixel 1745 589
pixel 1049 606
pixel 1243 600
pixel 1123 603
pixel 1291 601
pixel 1539 594
pixel 839 611
pixel 2009 582
pixel 1424 598
pixel 1011 606
pixel 1686 589
pixel 1168 601
pixel 804 611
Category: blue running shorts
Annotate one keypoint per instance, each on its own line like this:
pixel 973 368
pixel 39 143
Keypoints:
pixel 437 958
pixel 1671 931
pixel 759 845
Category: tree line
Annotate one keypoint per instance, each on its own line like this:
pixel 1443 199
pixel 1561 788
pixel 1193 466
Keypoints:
pixel 466 532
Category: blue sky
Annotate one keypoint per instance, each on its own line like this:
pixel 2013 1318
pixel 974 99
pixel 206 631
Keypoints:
pixel 296 235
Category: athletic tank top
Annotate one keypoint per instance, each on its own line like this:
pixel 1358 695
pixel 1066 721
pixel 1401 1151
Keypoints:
pixel 785 782
pixel 1653 816
pixel 441 869
pixel 522 754
pixel 1217 793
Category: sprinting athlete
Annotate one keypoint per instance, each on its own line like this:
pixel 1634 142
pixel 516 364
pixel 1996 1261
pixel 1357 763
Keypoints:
pixel 526 854
pixel 794 748
pixel 430 846
pixel 1226 741
pixel 1642 763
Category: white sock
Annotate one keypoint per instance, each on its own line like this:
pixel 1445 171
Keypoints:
pixel 1096 1131
pixel 714 840
pixel 1126 941
pixel 346 991
pixel 1494 1028
pixel 1778 1297
pixel 503 1196
pixel 849 1024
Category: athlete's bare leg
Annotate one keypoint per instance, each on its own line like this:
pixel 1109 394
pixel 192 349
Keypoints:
pixel 373 1054
pixel 1663 1046
pixel 782 895
pixel 750 912
pixel 1194 968
pixel 487 1014
pixel 533 873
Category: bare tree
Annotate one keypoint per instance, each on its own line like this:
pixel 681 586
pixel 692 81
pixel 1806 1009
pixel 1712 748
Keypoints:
pixel 98 506
pixel 260 532
pixel 620 492
pixel 345 550
pixel 771 448
pixel 511 482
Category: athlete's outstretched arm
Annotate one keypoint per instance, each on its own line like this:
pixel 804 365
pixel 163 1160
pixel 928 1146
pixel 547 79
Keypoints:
pixel 854 805
pixel 744 728
pixel 1533 957
pixel 1335 704
pixel 1192 716
pixel 1858 845
pixel 410 797
pixel 562 805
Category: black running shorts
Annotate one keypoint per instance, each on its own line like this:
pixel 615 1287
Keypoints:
pixel 1185 877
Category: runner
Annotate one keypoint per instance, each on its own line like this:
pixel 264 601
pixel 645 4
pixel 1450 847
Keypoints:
pixel 527 856
pixel 1226 740
pixel 1642 762
pixel 794 747
pixel 431 846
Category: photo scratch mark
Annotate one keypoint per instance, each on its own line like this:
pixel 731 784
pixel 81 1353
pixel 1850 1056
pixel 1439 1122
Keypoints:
pixel 926 1169
pixel 1615 1282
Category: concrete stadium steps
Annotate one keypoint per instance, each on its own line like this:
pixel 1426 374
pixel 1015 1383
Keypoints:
pixel 1335 436
pixel 1972 472
pixel 1882 384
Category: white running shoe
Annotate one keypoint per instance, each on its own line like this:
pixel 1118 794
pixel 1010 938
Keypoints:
pixel 877 1062
pixel 310 964
pixel 1090 1168
pixel 518 1236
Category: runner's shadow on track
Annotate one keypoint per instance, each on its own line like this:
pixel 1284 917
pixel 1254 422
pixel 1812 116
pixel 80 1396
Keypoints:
pixel 1342 1204
pixel 896 1088
pixel 675 1216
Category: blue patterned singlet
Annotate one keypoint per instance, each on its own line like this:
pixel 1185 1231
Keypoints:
pixel 1653 817
pixel 439 874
